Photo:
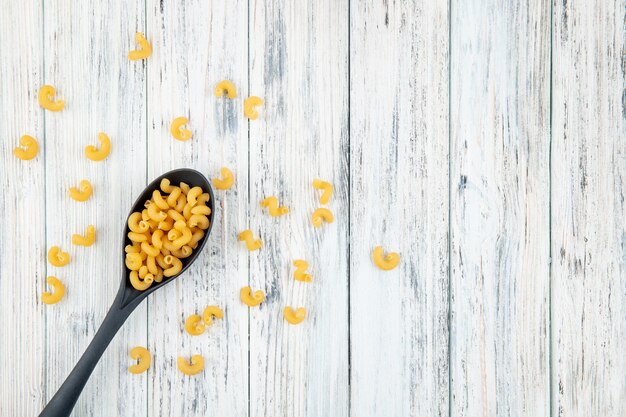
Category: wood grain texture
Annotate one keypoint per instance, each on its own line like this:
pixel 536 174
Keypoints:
pixel 22 224
pixel 588 209
pixel 499 339
pixel 86 60
pixel 399 200
pixel 197 44
pixel 298 65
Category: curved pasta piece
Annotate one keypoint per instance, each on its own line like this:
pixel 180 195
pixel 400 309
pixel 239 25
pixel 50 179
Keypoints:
pixel 301 267
pixel 385 262
pixel 29 148
pixel 195 367
pixel 296 317
pixel 194 325
pixel 327 189
pixel 322 214
pixel 249 105
pixel 204 210
pixel 192 196
pixel 185 234
pixel 88 239
pixel 251 243
pixel 210 312
pixel 144 51
pixel 136 224
pixel 46 99
pixel 95 154
pixel 58 258
pixel 83 193
pixel 199 220
pixel 272 204
pixel 175 268
pixel 56 295
pixel 143 358
pixel 178 131
pixel 251 299
pixel 226 181
pixel 155 213
pixel 225 86
pixel 133 261
pixel 141 284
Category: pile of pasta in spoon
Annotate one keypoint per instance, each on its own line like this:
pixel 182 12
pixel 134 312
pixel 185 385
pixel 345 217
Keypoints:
pixel 167 230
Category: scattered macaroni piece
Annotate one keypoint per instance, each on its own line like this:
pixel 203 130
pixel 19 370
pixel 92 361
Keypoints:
pixel 144 51
pixel 210 312
pixel 166 231
pixel 251 244
pixel 225 86
pixel 272 204
pixel 58 293
pixel 299 273
pixel 251 299
pixel 84 193
pixel 58 258
pixel 143 358
pixel 29 148
pixel 386 263
pixel 296 317
pixel 322 214
pixel 226 181
pixel 91 152
pixel 195 367
pixel 327 189
pixel 88 239
pixel 46 99
pixel 194 325
pixel 178 131
pixel 248 107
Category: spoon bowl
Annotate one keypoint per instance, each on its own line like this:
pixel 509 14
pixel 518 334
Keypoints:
pixel 127 298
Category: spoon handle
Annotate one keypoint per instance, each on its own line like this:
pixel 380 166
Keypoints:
pixel 63 402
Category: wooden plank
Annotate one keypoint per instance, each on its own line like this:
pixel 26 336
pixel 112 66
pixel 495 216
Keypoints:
pixel 588 209
pixel 399 200
pixel 86 60
pixel 197 44
pixel 299 66
pixel 22 247
pixel 499 343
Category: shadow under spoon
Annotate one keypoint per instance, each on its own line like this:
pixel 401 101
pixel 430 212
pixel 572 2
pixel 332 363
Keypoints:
pixel 127 299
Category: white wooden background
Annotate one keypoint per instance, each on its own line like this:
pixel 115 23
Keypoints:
pixel 484 140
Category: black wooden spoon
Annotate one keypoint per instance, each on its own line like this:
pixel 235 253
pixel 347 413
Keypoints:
pixel 127 299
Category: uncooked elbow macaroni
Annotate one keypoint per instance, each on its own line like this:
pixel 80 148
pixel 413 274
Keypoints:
pixel 195 367
pixel 95 154
pixel 178 131
pixel 272 205
pixel 168 230
pixel 385 262
pixel 58 258
pixel 300 272
pixel 28 148
pixel 251 243
pixel 327 190
pixel 249 105
pixel 251 299
pixel 58 293
pixel 210 312
pixel 294 317
pixel 227 87
pixel 322 214
pixel 83 192
pixel 226 181
pixel 88 239
pixel 143 358
pixel 194 325
pixel 144 51
pixel 46 99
